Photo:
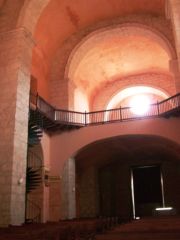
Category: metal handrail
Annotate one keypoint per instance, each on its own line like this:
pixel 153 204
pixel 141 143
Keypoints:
pixel 103 116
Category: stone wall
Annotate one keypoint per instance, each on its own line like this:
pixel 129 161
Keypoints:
pixel 15 48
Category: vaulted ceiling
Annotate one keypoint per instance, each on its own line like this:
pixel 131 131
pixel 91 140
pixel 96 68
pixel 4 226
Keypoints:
pixel 108 55
pixel 61 18
pixel 115 56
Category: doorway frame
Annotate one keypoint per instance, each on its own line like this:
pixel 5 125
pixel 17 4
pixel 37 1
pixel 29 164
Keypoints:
pixel 132 185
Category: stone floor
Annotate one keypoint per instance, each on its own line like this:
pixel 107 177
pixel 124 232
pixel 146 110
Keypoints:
pixel 159 228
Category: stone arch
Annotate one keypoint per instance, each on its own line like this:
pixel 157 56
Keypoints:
pixel 118 152
pixel 30 13
pixel 73 142
pixel 157 127
pixel 68 186
pixel 136 147
pixel 162 82
pixel 123 93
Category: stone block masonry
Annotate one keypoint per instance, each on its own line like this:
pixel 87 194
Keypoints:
pixel 15 60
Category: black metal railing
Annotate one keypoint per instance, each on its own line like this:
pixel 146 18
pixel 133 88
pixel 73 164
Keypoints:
pixel 46 108
pixel 71 117
pixel 169 104
pixel 112 115
pixel 119 114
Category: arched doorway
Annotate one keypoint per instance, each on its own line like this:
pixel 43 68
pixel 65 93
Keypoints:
pixel 103 174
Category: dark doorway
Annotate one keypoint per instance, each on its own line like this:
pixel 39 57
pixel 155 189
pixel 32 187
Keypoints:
pixel 147 189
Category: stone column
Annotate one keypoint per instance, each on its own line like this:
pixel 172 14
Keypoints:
pixel 68 205
pixel 15 61
pixel 174 13
pixel 174 69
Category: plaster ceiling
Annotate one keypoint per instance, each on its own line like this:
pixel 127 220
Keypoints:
pixel 109 59
pixel 61 18
pixel 114 58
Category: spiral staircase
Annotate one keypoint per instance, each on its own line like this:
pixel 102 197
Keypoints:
pixel 34 170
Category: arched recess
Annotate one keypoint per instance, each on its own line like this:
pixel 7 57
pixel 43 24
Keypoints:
pixel 94 38
pixel 129 92
pixel 110 160
pixel 120 30
pixel 157 81
pixel 99 153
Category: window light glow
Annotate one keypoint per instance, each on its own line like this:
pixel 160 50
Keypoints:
pixel 132 91
pixel 140 104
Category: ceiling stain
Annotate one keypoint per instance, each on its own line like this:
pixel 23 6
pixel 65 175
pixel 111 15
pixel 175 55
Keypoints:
pixel 74 18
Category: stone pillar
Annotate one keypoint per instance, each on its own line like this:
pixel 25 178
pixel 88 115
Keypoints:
pixel 174 69
pixel 174 13
pixel 15 60
pixel 68 190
